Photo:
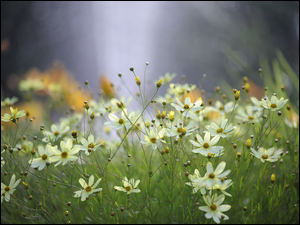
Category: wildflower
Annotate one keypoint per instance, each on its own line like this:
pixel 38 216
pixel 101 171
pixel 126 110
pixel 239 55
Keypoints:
pixel 31 84
pixel 153 138
pixel 57 131
pixel 15 114
pixel 212 176
pixel 66 154
pixel 119 123
pixel 196 185
pixel 180 130
pixel 179 90
pixel 222 187
pixel 129 186
pixel 215 130
pixel 206 145
pixel 87 188
pixel 107 87
pixel 167 78
pixel 45 156
pixel 274 104
pixel 219 107
pixel 138 81
pixel 267 155
pixel 89 145
pixel 6 191
pixel 214 209
pixel 249 115
pixel 9 101
pixel 188 107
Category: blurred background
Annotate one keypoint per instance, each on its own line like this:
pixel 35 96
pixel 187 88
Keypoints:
pixel 224 40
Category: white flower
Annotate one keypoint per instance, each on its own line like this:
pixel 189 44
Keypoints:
pixel 2 161
pixel 129 186
pixel 180 89
pixel 90 143
pixel 6 191
pixel 57 131
pixel 153 138
pixel 214 209
pixel 267 155
pixel 274 104
pixel 206 146
pixel 196 185
pixel 167 78
pixel 249 115
pixel 122 122
pixel 15 114
pixel 180 130
pixel 188 107
pixel 212 177
pixel 9 101
pixel 87 188
pixel 222 187
pixel 45 156
pixel 219 107
pixel 66 154
pixel 214 129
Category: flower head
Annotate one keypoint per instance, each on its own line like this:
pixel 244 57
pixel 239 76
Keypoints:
pixel 153 138
pixel 188 108
pixel 45 156
pixel 15 114
pixel 222 130
pixel 88 188
pixel 214 209
pixel 66 154
pixel 89 145
pixel 119 123
pixel 274 104
pixel 6 191
pixel 212 176
pixel 180 130
pixel 267 155
pixel 129 186
pixel 206 146
pixel 57 131
pixel 196 185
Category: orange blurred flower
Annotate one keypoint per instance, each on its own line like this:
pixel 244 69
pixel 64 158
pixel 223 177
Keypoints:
pixel 107 86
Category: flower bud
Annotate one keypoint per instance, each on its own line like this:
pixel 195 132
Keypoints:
pixel 273 178
pixel 158 84
pixel 237 95
pixel 137 81
pixel 248 143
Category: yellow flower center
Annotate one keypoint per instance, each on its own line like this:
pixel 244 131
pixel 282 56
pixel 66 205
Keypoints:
pixel 128 188
pixel 91 145
pixel 251 117
pixel 186 106
pixel 211 175
pixel 206 145
pixel 221 108
pixel 220 130
pixel 273 106
pixel 44 157
pixel 153 140
pixel 6 188
pixel 64 155
pixel 121 121
pixel 182 130
pixel 56 133
pixel 213 207
pixel 88 188
pixel 264 156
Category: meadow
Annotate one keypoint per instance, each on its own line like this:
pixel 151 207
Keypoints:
pixel 70 155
